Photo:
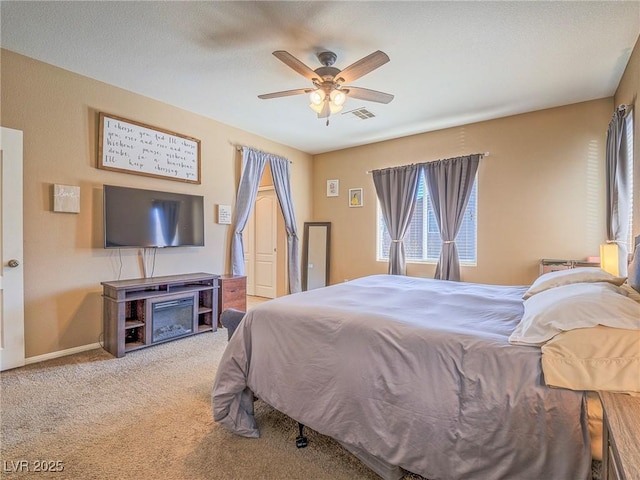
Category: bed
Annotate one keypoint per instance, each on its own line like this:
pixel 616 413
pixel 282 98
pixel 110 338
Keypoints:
pixel 408 374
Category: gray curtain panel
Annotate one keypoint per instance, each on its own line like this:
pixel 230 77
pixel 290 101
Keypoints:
pixel 253 162
pixel 449 183
pixel 281 181
pixel 634 266
pixel 396 189
pixel 617 208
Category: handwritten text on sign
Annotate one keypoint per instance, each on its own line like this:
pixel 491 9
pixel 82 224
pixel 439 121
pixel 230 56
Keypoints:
pixel 144 150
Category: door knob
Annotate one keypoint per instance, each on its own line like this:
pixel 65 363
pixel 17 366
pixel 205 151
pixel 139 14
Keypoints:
pixel 13 263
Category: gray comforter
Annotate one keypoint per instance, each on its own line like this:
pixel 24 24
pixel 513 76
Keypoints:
pixel 411 373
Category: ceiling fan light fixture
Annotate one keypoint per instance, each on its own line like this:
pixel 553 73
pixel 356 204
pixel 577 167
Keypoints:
pixel 316 108
pixel 317 97
pixel 333 108
pixel 338 97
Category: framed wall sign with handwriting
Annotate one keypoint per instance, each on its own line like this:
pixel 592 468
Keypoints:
pixel 133 147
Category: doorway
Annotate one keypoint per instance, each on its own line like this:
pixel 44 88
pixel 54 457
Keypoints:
pixel 12 353
pixel 261 245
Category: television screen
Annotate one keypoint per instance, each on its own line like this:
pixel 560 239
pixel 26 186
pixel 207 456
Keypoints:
pixel 149 218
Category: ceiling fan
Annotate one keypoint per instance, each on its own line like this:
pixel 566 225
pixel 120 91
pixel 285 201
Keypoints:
pixel 329 91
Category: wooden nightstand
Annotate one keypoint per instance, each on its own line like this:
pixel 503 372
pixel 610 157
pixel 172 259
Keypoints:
pixel 232 293
pixel 620 436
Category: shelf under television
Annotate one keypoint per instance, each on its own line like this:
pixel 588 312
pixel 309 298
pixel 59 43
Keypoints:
pixel 133 324
pixel 128 347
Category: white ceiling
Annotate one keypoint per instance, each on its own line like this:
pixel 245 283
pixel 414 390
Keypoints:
pixel 452 62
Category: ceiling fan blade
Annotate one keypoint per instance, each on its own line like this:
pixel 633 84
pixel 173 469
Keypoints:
pixel 366 94
pixel 295 64
pixel 362 67
pixel 285 93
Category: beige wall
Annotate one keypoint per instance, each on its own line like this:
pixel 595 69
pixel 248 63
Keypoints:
pixel 63 256
pixel 540 192
pixel 627 94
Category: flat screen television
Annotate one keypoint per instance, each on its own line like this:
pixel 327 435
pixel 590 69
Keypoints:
pixel 152 219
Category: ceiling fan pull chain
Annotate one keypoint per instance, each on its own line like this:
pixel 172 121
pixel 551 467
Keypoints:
pixel 327 124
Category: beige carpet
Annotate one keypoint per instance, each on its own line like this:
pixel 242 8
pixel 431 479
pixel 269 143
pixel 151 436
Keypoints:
pixel 148 416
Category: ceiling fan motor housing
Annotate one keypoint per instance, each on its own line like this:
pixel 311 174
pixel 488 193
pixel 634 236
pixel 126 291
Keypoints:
pixel 327 73
pixel 327 58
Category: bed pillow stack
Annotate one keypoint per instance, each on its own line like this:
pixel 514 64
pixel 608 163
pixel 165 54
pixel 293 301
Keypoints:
pixel 588 326
pixel 577 305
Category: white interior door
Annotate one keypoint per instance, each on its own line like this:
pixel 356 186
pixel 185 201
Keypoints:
pixel 266 237
pixel 11 249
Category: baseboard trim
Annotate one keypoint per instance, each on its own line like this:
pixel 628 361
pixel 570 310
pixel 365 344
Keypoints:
pixel 61 353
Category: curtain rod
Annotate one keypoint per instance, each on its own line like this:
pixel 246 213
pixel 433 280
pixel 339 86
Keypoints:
pixel 240 147
pixel 482 155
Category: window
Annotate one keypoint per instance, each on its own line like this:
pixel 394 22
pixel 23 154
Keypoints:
pixel 422 242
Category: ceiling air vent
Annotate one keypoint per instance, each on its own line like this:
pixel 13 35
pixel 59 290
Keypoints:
pixel 361 113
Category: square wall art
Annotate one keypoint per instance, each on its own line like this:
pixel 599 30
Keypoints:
pixel 66 198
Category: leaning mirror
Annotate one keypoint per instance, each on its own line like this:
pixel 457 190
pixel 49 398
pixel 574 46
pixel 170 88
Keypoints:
pixel 315 255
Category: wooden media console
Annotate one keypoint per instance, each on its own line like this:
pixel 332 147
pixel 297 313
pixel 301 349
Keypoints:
pixel 143 312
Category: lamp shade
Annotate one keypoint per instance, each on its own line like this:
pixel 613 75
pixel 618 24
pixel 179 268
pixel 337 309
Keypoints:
pixel 338 98
pixel 316 97
pixel 610 258
pixel 334 108
pixel 316 107
pixel 634 266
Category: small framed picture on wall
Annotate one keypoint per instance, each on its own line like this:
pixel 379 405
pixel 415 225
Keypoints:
pixel 333 188
pixel 355 197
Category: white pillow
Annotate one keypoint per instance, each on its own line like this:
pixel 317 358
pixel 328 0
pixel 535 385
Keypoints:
pixel 569 276
pixel 579 305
